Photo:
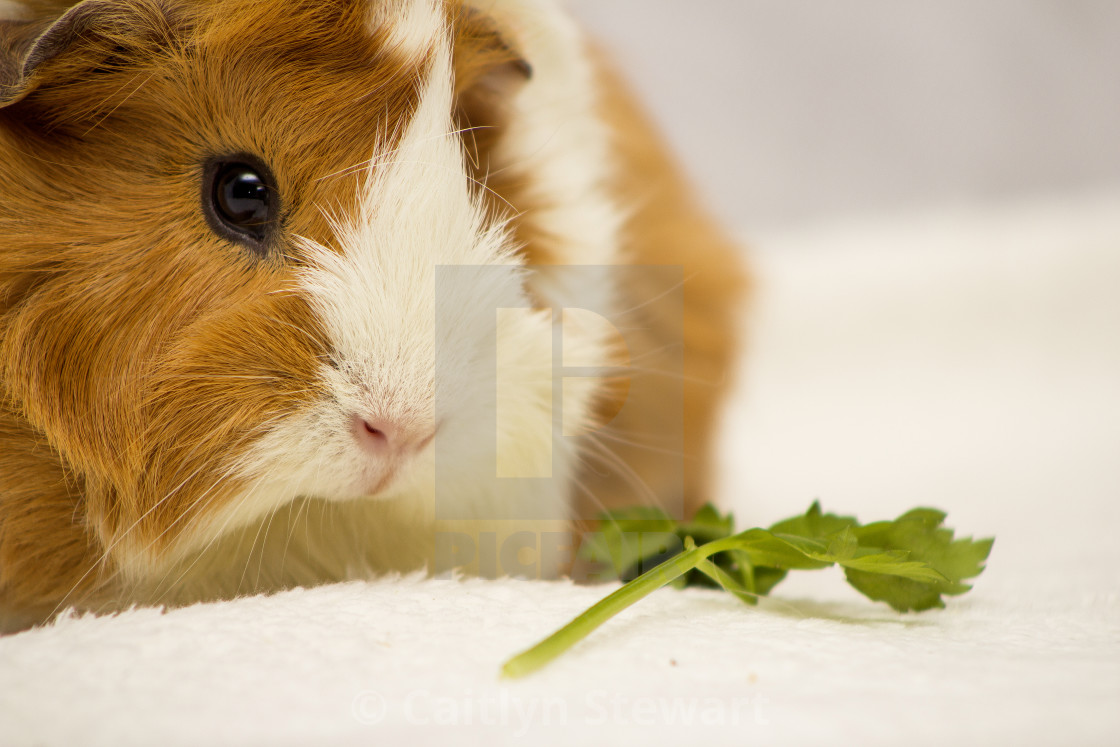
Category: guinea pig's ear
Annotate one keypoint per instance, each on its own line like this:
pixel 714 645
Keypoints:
pixel 16 40
pixel 27 45
pixel 489 70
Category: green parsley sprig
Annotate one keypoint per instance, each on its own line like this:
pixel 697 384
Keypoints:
pixel 909 563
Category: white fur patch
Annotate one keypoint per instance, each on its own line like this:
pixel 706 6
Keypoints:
pixel 408 24
pixel 559 143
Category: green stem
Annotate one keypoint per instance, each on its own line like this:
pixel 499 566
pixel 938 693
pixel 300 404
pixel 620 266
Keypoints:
pixel 534 658
pixel 726 581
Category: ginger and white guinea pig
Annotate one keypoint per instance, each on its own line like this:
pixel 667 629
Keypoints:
pixel 287 288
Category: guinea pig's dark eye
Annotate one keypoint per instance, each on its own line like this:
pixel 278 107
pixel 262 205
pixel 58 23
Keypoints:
pixel 239 200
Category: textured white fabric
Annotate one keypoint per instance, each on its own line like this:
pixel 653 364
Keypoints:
pixel 969 361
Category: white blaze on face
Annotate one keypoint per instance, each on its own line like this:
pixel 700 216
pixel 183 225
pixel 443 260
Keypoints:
pixel 376 298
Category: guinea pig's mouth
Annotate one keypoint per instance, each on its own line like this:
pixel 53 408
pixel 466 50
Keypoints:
pixel 378 485
pixel 384 480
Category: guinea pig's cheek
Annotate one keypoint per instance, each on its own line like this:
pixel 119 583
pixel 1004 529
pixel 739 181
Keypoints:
pixel 339 448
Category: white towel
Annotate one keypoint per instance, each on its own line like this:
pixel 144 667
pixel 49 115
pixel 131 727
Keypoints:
pixel 968 360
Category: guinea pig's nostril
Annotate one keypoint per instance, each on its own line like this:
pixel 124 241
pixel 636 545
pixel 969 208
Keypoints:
pixel 382 436
pixel 373 435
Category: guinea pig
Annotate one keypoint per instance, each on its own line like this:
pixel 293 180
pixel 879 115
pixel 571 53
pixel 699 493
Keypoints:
pixel 287 288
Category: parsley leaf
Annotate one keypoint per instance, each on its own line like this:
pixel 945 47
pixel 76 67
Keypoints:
pixel 919 534
pixel 909 563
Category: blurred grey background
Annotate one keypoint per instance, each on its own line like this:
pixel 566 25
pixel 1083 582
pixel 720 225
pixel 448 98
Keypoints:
pixel 794 111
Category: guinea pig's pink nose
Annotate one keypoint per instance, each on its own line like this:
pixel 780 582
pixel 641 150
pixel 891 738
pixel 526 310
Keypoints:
pixel 377 433
pixel 381 436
